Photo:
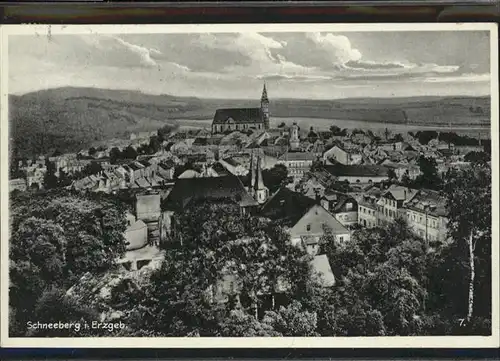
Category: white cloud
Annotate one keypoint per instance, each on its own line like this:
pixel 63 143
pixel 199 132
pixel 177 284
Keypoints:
pixel 338 46
pixel 143 53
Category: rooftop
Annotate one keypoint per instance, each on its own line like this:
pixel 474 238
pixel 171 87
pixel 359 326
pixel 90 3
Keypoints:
pixel 297 156
pixel 287 206
pixel 208 188
pixel 321 266
pixel 238 115
pixel 357 170
pixel 428 200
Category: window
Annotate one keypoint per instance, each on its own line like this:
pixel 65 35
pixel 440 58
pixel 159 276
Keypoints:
pixel 308 227
pixel 348 206
pixel 341 238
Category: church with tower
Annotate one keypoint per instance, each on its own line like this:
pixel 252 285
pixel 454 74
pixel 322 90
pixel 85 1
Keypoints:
pixel 242 119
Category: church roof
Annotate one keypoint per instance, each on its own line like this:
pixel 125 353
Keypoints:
pixel 238 115
pixel 227 188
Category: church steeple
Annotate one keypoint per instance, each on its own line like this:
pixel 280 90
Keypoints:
pixel 261 192
pixel 252 175
pixel 259 184
pixel 264 97
pixel 264 106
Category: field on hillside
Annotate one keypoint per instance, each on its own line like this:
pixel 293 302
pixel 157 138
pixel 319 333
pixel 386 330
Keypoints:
pixel 69 119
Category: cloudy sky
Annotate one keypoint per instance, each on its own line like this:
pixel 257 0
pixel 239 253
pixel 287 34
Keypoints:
pixel 225 65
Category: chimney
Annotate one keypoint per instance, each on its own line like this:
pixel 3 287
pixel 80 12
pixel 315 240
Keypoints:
pixel 317 195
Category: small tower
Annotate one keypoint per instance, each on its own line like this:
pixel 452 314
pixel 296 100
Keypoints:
pixel 261 192
pixel 252 176
pixel 264 106
pixel 294 137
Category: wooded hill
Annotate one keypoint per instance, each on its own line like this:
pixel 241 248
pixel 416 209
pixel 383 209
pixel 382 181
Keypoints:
pixel 69 119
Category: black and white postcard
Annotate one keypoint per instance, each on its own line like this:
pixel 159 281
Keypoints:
pixel 307 185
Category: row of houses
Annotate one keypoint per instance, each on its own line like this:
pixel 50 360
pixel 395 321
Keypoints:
pixel 423 209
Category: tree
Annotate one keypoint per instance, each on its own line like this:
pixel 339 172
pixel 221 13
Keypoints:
pixel 93 228
pixel 55 306
pixel 114 155
pixel 405 179
pixel 292 321
pixel 165 131
pixel 64 179
pixel 398 138
pixel 56 237
pixel 477 157
pixel 92 151
pixel 392 174
pixel 336 131
pixel 92 168
pixel 129 153
pixel 424 137
pixel 241 324
pixel 154 144
pixel 275 177
pixel 50 180
pixel 469 204
pixel 429 177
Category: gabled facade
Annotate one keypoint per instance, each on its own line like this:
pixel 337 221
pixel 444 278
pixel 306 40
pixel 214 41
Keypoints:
pixel 342 156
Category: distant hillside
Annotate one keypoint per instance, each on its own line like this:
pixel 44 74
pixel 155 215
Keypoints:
pixel 70 119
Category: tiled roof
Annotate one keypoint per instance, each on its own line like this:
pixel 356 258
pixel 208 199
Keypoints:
pixel 287 206
pixel 208 188
pixel 356 170
pixel 297 156
pixel 239 115
pixel 400 193
pixel 135 165
pixel 430 199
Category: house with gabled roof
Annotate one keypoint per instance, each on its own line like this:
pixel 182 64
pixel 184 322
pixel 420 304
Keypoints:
pixel 304 218
pixel 391 202
pixel 338 154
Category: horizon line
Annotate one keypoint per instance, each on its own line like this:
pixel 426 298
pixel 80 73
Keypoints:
pixel 248 99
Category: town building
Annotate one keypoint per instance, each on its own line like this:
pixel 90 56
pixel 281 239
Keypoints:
pixel 426 215
pixel 136 234
pixel 214 189
pixel 368 208
pixel 358 174
pixel 337 154
pixel 297 163
pixel 343 207
pixel 231 119
pixel 148 209
pixel 391 203
pixel 304 218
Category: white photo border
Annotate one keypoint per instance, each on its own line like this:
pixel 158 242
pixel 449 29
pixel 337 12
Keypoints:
pixel 492 341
